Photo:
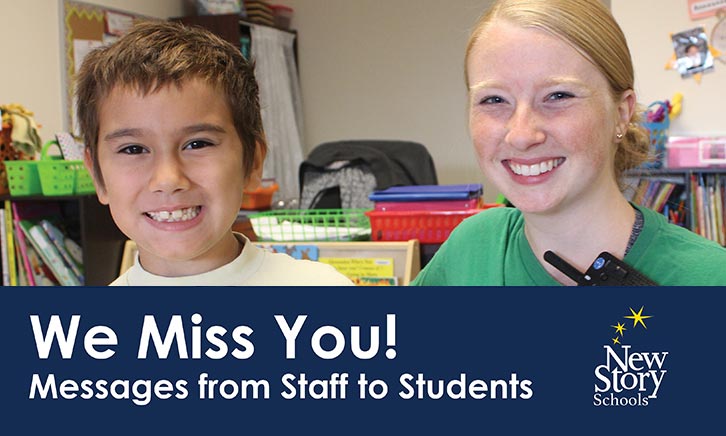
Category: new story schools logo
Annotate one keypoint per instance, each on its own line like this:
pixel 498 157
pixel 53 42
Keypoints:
pixel 629 377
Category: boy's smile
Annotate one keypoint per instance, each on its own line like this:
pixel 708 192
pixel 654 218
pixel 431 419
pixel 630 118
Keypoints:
pixel 172 161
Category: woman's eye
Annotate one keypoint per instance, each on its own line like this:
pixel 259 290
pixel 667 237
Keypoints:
pixel 132 149
pixel 491 100
pixel 194 145
pixel 559 96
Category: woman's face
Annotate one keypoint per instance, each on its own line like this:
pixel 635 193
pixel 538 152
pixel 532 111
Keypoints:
pixel 542 120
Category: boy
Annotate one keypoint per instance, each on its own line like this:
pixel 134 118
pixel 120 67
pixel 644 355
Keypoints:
pixel 171 119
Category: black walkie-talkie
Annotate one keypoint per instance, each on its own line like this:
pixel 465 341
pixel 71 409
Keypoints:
pixel 606 270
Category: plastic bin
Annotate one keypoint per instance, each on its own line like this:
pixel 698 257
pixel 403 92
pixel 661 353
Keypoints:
pixel 695 152
pixel 311 225
pixel 49 176
pixel 23 178
pixel 429 227
pixel 260 198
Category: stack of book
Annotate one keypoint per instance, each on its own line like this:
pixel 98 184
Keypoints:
pixel 36 251
pixel 259 12
pixel 425 212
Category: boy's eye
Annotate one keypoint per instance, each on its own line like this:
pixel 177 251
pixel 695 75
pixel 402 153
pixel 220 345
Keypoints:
pixel 132 149
pixel 197 144
pixel 559 96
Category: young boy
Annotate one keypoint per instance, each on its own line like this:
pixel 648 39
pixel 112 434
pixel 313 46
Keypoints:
pixel 171 119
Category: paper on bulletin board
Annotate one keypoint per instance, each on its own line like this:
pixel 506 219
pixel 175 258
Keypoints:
pixel 698 9
pixel 361 266
pixel 81 47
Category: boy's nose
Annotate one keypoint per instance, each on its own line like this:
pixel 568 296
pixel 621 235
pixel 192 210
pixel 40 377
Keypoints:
pixel 523 128
pixel 168 175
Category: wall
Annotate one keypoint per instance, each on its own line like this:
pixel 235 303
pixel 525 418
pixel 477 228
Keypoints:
pixel 31 53
pixel 375 68
pixel 383 69
pixel 650 45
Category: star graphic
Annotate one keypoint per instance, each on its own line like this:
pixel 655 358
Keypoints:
pixel 620 328
pixel 638 317
pixel 616 340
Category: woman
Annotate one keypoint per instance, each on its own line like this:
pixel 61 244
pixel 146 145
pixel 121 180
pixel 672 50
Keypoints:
pixel 554 121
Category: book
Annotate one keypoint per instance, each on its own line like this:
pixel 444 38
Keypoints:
pixel 428 192
pixel 304 252
pixel 69 250
pixel 23 260
pixel 22 273
pixel 30 214
pixel 375 281
pixel 50 255
pixel 355 267
pixel 12 264
pixel 39 271
pixel 4 250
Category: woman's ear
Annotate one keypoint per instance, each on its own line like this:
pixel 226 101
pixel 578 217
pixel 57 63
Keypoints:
pixel 100 189
pixel 254 178
pixel 626 109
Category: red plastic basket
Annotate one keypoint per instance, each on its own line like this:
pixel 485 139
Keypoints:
pixel 428 226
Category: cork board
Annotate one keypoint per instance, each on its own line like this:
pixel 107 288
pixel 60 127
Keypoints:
pixel 85 26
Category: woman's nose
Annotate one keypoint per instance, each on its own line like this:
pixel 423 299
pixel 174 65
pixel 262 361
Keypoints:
pixel 524 128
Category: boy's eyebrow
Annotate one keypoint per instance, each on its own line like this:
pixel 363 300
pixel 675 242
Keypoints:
pixel 194 128
pixel 204 127
pixel 121 133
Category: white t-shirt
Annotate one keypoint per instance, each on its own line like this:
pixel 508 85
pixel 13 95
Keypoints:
pixel 253 267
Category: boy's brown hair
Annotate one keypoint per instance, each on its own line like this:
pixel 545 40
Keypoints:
pixel 155 54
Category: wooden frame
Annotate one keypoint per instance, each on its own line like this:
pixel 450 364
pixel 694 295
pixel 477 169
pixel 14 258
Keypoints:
pixel 406 255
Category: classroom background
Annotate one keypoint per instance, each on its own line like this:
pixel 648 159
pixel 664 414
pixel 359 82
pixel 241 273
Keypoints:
pixel 374 69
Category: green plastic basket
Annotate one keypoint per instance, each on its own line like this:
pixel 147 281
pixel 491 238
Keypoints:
pixel 84 181
pixel 312 225
pixel 23 177
pixel 50 176
pixel 57 176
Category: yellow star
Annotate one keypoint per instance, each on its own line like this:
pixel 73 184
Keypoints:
pixel 616 340
pixel 619 328
pixel 638 317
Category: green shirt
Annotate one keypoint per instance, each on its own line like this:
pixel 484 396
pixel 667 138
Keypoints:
pixel 491 249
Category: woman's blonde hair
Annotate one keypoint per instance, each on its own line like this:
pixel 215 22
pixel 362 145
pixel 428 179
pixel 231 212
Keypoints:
pixel 589 28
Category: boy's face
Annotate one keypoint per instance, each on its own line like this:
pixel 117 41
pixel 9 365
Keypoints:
pixel 172 166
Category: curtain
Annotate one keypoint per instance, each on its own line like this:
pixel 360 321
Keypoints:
pixel 280 101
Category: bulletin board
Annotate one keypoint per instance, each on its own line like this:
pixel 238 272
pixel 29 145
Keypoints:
pixel 85 26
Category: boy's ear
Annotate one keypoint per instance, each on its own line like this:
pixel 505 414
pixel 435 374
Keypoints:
pixel 100 190
pixel 254 178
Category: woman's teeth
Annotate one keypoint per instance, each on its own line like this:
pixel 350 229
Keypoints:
pixel 536 169
pixel 172 216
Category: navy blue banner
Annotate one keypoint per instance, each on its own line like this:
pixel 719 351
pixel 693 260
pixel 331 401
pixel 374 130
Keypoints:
pixel 380 360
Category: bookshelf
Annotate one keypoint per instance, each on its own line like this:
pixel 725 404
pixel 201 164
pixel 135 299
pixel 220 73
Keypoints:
pixel 90 224
pixel 699 194
pixel 229 27
pixel 405 254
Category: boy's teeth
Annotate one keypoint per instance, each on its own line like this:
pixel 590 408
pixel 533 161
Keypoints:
pixel 174 215
pixel 536 169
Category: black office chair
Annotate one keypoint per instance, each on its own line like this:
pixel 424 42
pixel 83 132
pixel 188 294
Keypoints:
pixel 342 174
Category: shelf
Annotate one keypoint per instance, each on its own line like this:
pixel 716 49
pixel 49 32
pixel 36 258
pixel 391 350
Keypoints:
pixel 91 225
pixel 668 171
pixel 702 205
